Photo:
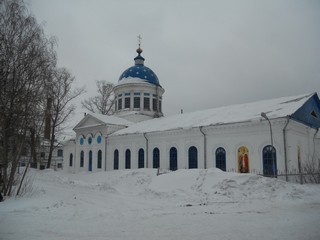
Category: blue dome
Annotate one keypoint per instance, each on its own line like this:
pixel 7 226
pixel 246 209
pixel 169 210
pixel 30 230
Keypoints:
pixel 140 71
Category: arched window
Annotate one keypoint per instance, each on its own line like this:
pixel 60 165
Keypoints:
pixel 221 158
pixel 193 157
pixel 128 159
pixel 116 159
pixel 81 159
pixel 70 160
pixel 99 163
pixel 90 161
pixel 269 156
pixel 156 158
pixel 173 159
pixel 141 158
pixel 81 140
pixel 243 160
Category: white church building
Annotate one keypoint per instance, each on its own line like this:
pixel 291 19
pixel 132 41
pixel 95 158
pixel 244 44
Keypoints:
pixel 271 137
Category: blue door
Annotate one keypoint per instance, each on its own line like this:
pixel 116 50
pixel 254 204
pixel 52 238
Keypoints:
pixel 90 161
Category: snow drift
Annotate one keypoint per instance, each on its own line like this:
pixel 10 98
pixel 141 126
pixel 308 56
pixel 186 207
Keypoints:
pixel 138 204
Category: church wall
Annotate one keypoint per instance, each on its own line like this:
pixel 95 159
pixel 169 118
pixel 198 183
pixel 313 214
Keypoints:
pixel 122 143
pixel 93 133
pixel 182 140
pixel 255 138
pixel 301 146
pixel 69 149
pixel 317 153
pixel 254 135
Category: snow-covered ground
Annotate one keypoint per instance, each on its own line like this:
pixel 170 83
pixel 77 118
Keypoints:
pixel 138 204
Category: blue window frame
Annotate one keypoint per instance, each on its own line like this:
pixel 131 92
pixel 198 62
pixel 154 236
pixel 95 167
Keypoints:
pixel 193 157
pixel 81 158
pixel 116 159
pixel 70 160
pixel 173 159
pixel 269 156
pixel 141 158
pixel 99 163
pixel 128 159
pixel 99 139
pixel 156 158
pixel 90 161
pixel 221 158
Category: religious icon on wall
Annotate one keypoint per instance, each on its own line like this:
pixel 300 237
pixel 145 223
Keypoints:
pixel 243 160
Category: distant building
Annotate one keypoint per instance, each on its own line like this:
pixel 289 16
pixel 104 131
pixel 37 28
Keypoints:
pixel 233 138
pixel 40 160
pixel 42 156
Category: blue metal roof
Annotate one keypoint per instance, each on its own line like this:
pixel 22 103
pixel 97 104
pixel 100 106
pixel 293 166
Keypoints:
pixel 140 71
pixel 309 113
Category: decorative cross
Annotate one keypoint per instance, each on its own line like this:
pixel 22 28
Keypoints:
pixel 139 40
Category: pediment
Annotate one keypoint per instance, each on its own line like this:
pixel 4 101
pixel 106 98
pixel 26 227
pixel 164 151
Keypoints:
pixel 89 121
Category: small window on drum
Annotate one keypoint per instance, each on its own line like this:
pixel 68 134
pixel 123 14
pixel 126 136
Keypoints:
pixel 127 102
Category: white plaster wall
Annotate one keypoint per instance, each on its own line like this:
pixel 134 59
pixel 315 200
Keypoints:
pixel 69 147
pixel 253 135
pixel 317 150
pixel 300 137
pixel 181 140
pixel 94 132
pixel 122 143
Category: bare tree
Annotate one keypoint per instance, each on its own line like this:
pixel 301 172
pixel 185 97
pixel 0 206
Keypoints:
pixel 103 103
pixel 312 171
pixel 61 94
pixel 26 58
pixel 32 142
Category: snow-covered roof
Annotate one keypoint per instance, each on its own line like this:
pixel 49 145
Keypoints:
pixel 105 119
pixel 111 119
pixel 130 80
pixel 274 108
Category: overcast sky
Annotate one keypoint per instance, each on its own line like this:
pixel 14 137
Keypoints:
pixel 205 53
